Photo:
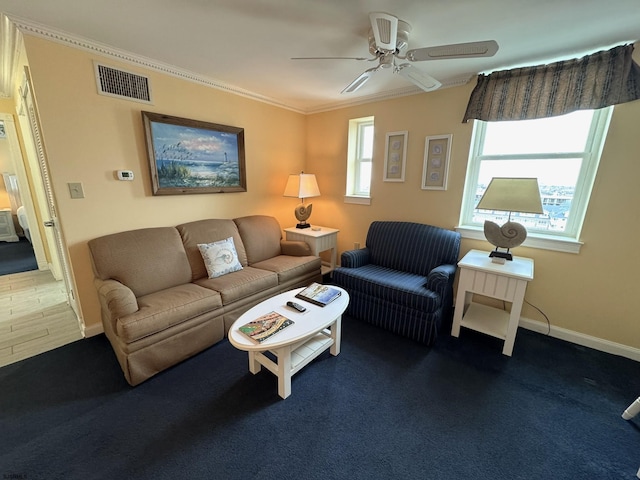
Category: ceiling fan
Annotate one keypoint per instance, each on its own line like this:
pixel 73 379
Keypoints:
pixel 388 40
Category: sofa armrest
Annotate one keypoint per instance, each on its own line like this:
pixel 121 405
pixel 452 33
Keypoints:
pixel 295 248
pixel 116 299
pixel 355 258
pixel 440 278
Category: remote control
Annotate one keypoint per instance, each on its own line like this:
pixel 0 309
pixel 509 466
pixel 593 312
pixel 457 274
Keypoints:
pixel 296 306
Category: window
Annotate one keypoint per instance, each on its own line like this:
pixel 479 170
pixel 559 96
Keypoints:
pixel 359 156
pixel 561 152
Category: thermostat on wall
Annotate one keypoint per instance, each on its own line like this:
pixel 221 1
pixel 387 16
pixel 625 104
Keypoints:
pixel 125 175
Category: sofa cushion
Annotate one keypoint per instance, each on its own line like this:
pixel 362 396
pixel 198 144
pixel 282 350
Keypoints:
pixel 145 260
pixel 207 231
pixel 288 267
pixel 261 236
pixel 220 257
pixel 241 284
pixel 386 284
pixel 295 248
pixel 165 308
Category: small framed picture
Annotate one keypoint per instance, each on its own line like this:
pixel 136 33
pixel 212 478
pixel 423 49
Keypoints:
pixel 435 170
pixel 395 156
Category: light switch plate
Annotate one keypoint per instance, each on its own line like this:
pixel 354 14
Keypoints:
pixel 75 189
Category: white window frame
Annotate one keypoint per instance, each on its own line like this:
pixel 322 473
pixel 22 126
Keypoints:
pixel 355 160
pixel 567 241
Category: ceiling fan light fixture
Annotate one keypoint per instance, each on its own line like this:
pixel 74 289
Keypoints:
pixel 387 61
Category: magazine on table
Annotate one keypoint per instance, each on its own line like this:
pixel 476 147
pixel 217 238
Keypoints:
pixel 319 294
pixel 265 326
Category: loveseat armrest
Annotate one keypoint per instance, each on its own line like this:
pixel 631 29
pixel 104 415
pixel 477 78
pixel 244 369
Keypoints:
pixel 355 258
pixel 116 299
pixel 441 278
pixel 295 248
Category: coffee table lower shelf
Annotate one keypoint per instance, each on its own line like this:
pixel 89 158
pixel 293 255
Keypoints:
pixel 292 358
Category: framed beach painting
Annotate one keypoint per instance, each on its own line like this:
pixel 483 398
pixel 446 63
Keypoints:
pixel 191 156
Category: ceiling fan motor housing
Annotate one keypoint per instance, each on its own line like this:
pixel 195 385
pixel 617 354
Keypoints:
pixel 402 40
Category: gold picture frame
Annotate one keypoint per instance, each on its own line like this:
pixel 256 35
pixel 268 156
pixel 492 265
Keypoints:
pixel 191 156
pixel 437 151
pixel 395 156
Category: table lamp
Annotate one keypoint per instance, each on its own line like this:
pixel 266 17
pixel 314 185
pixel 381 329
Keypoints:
pixel 509 195
pixel 302 186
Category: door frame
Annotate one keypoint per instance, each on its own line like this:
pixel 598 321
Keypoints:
pixel 40 193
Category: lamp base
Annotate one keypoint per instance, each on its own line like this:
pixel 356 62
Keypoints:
pixel 303 225
pixel 504 255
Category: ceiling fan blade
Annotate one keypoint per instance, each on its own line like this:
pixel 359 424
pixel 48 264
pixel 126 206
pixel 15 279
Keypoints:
pixel 487 48
pixel 385 30
pixel 333 58
pixel 421 79
pixel 360 81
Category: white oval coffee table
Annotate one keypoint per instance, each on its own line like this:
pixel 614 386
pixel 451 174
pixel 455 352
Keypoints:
pixel 314 331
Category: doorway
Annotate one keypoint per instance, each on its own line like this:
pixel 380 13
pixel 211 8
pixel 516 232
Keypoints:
pixel 46 314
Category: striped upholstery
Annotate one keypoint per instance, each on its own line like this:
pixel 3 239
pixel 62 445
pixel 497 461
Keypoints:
pixel 403 279
pixel 412 247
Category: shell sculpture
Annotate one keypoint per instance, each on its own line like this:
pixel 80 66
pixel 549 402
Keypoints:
pixel 510 235
pixel 303 212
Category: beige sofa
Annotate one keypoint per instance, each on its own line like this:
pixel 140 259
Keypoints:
pixel 159 306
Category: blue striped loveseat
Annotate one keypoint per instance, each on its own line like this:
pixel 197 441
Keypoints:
pixel 403 279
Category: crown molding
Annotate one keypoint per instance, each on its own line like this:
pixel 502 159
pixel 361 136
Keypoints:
pixel 27 27
pixel 16 25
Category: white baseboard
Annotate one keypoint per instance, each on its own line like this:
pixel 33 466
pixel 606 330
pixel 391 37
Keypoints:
pixel 93 330
pixel 581 339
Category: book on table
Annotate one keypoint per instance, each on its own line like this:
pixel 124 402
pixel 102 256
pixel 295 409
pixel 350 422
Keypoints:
pixel 265 326
pixel 319 294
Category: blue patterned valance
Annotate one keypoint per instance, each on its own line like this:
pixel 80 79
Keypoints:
pixel 594 81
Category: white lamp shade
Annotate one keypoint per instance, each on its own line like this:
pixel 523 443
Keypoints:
pixel 303 185
pixel 512 195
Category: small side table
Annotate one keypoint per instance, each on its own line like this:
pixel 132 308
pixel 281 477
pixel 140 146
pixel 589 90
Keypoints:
pixel 7 230
pixel 319 240
pixel 508 282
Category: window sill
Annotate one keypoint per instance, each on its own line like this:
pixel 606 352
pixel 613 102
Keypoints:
pixel 357 200
pixel 534 240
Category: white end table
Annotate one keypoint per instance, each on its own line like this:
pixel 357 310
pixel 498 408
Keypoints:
pixel 319 239
pixel 508 282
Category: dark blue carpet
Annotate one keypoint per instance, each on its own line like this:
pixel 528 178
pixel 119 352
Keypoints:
pixel 385 408
pixel 16 257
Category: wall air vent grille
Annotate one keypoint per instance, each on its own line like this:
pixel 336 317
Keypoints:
pixel 121 84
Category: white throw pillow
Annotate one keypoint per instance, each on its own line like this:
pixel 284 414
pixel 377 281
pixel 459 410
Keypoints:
pixel 220 257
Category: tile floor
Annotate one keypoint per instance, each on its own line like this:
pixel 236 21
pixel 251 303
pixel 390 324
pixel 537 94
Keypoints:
pixel 34 316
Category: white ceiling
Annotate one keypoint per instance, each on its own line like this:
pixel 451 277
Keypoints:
pixel 248 44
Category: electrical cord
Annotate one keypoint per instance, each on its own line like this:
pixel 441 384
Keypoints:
pixel 541 313
pixel 504 307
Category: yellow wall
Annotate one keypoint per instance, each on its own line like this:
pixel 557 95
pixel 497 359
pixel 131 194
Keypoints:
pixel 592 293
pixel 89 136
